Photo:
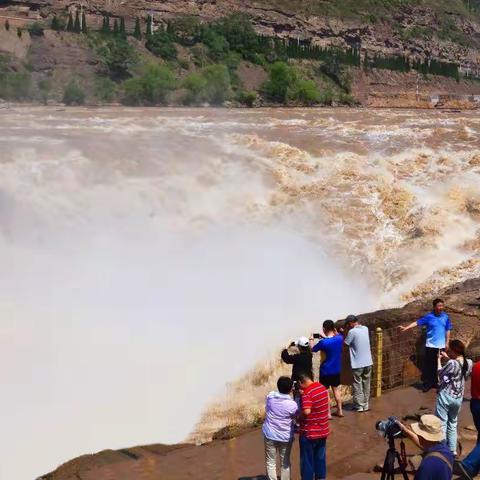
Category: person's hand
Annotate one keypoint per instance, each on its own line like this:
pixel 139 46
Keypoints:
pixel 403 328
pixel 402 427
pixel 443 354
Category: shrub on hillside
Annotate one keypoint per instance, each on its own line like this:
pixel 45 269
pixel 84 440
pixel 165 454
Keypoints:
pixel 58 24
pixel 247 98
pixel 151 87
pixel 212 85
pixel 161 44
pixel 282 77
pixel 117 55
pixel 15 86
pixel 35 29
pixel 73 94
pixel 304 92
pixel 196 86
pixel 104 89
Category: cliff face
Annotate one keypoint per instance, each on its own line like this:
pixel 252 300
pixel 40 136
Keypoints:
pixel 445 30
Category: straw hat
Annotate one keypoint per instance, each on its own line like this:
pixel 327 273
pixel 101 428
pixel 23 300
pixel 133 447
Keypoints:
pixel 430 428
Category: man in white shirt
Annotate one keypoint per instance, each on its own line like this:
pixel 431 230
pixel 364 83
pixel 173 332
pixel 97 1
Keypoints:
pixel 358 340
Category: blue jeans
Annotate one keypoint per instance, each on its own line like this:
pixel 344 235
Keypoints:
pixel 447 410
pixel 313 458
pixel 475 409
pixel 472 461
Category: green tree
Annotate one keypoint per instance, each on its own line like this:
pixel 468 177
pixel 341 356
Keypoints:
pixel 104 89
pixel 56 24
pixel 218 83
pixel 161 44
pixel 7 25
pixel 304 92
pixel 282 77
pixel 70 26
pixel 123 30
pixel 137 33
pixel 151 88
pixel 247 98
pixel 196 86
pixel 73 94
pixel 115 27
pixel 149 26
pixel 106 24
pixel 84 23
pixel 35 29
pixel 76 26
pixel 218 46
pixel 118 56
pixel 19 32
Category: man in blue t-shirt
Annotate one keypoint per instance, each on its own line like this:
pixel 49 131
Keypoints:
pixel 330 368
pixel 438 328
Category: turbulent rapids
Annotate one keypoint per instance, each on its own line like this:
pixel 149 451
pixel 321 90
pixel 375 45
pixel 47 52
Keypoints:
pixel 150 255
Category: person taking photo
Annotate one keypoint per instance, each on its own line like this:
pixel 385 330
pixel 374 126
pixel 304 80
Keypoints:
pixel 278 428
pixel 302 361
pixel 331 347
pixel 358 340
pixel 452 378
pixel 428 435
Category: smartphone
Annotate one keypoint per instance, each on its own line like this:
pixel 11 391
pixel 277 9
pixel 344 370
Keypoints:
pixel 317 335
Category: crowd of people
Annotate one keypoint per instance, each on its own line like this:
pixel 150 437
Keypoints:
pixel 302 406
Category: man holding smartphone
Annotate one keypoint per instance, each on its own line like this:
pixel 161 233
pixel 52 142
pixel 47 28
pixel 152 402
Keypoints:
pixel 330 369
pixel 438 327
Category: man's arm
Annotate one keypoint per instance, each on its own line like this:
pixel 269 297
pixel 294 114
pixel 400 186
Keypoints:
pixel 408 327
pixel 286 357
pixel 411 435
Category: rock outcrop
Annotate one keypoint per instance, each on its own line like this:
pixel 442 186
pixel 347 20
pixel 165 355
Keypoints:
pixel 414 30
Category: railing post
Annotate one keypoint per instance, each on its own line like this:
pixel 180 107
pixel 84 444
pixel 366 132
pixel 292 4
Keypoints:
pixel 379 362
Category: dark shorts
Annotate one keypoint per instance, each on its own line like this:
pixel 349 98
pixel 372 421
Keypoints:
pixel 330 380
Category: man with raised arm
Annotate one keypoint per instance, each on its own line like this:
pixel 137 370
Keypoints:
pixel 438 327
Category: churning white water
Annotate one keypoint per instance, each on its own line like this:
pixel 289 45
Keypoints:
pixel 150 256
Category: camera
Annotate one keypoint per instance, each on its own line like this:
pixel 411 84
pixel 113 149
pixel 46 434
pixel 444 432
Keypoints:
pixel 389 427
pixel 317 335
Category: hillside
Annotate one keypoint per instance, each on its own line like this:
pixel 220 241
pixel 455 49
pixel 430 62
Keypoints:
pixel 253 53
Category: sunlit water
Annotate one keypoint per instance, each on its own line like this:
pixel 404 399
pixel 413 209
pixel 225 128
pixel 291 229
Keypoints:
pixel 149 256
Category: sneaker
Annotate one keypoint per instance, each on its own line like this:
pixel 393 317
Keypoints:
pixel 460 470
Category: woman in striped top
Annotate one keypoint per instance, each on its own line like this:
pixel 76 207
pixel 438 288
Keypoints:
pixel 452 378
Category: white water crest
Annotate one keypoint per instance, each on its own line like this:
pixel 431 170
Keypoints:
pixel 150 256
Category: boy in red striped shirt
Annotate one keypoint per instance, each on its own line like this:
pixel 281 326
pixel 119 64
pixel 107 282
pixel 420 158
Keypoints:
pixel 314 429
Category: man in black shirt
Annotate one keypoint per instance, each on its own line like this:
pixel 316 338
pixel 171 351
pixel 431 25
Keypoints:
pixel 301 361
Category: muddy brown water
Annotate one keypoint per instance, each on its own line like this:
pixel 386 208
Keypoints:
pixel 123 230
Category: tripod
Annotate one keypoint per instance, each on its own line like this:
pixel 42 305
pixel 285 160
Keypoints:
pixel 388 471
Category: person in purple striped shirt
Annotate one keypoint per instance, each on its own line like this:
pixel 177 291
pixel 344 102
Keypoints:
pixel 278 428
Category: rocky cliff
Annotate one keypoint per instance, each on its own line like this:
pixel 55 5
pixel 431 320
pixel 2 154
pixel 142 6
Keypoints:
pixel 439 29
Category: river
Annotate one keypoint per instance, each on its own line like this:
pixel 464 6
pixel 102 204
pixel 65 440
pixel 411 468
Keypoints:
pixel 151 255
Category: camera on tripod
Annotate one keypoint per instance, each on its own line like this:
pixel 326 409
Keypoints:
pixel 391 430
pixel 389 427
